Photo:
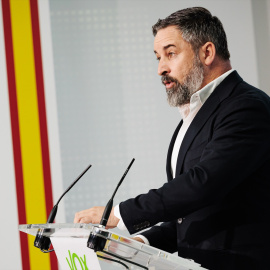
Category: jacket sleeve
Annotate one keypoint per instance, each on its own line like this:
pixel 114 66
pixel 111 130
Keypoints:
pixel 163 237
pixel 239 145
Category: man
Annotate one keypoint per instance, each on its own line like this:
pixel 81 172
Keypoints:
pixel 215 207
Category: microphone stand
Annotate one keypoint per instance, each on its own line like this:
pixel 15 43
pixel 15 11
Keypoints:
pixel 42 242
pixel 96 242
pixel 98 237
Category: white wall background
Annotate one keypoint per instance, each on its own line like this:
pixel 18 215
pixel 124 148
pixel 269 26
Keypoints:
pixel 9 233
pixel 261 19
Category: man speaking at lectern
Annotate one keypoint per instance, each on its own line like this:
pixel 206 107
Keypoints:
pixel 215 207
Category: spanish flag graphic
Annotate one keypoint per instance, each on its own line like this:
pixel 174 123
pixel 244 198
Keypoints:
pixel 26 99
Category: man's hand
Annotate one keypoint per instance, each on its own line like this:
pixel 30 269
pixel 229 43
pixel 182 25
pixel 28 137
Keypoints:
pixel 94 214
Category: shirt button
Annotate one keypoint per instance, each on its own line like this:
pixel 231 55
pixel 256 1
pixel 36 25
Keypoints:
pixel 179 220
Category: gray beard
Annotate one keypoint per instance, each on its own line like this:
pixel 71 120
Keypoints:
pixel 181 93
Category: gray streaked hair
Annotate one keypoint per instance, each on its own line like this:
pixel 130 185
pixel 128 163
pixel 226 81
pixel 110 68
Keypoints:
pixel 197 26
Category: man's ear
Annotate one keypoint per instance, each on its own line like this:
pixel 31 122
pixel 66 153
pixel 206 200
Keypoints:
pixel 208 53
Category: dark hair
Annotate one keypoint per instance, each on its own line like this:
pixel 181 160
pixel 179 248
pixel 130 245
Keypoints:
pixel 197 26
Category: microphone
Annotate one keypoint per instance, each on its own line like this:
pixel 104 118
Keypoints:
pixel 94 241
pixel 43 242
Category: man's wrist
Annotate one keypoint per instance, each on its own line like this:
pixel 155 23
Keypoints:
pixel 121 225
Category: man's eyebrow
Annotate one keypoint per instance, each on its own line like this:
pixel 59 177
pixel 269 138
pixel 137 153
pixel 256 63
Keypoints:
pixel 166 47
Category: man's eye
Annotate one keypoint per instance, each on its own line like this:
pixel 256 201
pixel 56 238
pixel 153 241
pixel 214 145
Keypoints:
pixel 158 58
pixel 171 54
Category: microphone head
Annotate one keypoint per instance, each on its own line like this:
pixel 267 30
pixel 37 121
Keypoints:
pixel 42 242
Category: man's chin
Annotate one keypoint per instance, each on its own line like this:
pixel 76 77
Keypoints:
pixel 170 91
pixel 175 100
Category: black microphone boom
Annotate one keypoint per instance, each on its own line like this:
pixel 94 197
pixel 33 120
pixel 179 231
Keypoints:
pixel 108 208
pixel 43 242
pixel 96 242
pixel 54 210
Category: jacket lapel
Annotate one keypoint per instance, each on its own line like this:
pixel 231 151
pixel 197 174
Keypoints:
pixel 169 155
pixel 222 91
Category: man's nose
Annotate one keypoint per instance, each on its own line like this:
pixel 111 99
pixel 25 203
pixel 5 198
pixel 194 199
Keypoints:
pixel 163 68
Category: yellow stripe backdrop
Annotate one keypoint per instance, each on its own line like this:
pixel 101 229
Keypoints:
pixel 29 123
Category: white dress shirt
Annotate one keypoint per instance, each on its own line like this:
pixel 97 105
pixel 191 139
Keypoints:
pixel 188 112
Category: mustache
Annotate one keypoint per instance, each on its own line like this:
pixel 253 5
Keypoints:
pixel 167 78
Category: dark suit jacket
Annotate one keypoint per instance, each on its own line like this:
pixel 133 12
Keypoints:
pixel 221 190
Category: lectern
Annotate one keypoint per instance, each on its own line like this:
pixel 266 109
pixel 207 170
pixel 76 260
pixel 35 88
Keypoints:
pixel 121 251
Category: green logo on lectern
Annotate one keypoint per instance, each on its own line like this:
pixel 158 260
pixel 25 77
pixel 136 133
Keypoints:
pixel 74 261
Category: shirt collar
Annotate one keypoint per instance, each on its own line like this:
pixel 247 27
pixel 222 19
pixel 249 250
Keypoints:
pixel 199 97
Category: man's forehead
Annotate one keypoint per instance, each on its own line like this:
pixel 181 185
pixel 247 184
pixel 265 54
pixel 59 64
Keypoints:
pixel 170 35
